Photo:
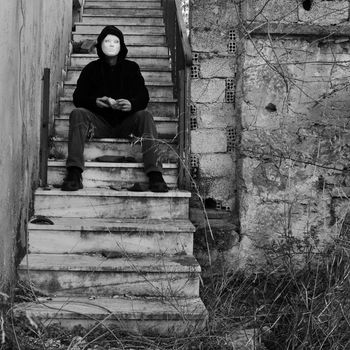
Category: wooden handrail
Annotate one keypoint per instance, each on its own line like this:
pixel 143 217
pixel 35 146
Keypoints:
pixel 184 38
pixel 181 61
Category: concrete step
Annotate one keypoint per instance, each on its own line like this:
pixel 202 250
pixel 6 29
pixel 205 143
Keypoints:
pixel 146 39
pixel 119 21
pixel 120 175
pixel 123 4
pixel 166 127
pixel 155 89
pixel 76 235
pixel 95 29
pixel 117 147
pixel 159 107
pixel 108 203
pixel 124 1
pixel 150 74
pixel 144 58
pixel 79 274
pixel 117 11
pixel 162 316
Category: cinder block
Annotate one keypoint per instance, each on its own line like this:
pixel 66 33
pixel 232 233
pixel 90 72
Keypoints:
pixel 208 141
pixel 217 67
pixel 208 90
pixel 212 40
pixel 213 13
pixel 220 188
pixel 273 10
pixel 215 115
pixel 325 12
pixel 217 165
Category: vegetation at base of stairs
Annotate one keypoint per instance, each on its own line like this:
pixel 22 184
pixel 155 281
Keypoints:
pixel 298 301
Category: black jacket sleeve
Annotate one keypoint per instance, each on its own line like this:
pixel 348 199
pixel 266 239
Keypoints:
pixel 85 93
pixel 139 96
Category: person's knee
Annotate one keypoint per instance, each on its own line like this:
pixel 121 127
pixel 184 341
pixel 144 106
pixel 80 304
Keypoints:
pixel 144 118
pixel 78 116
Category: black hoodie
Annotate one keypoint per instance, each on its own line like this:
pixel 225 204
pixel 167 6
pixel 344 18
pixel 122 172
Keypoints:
pixel 98 79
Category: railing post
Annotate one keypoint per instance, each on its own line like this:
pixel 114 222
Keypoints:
pixel 44 130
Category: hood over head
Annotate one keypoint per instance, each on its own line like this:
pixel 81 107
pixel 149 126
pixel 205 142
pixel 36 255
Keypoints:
pixel 113 31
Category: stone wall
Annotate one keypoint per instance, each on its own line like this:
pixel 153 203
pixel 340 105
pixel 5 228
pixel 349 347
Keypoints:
pixel 270 121
pixel 295 120
pixel 34 35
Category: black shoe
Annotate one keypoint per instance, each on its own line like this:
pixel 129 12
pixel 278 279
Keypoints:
pixel 73 180
pixel 156 182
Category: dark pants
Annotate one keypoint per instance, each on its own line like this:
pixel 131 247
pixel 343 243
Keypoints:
pixel 83 122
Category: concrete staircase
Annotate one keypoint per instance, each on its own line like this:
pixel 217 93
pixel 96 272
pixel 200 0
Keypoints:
pixel 113 256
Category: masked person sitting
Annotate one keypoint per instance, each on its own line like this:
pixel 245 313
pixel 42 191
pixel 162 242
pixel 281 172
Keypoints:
pixel 111 98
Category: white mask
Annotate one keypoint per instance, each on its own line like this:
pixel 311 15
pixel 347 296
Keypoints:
pixel 110 45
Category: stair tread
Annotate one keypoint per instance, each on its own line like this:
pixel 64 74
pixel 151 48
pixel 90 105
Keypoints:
pixel 90 164
pixel 152 99
pixel 99 192
pixel 126 15
pixel 120 307
pixel 156 118
pixel 98 263
pixel 156 68
pixel 148 83
pixel 82 24
pixel 128 34
pixel 115 225
pixel 92 55
pixel 108 140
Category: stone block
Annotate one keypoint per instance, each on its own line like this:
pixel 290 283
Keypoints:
pixel 217 165
pixel 208 90
pixel 215 115
pixel 208 141
pixel 273 10
pixel 217 67
pixel 211 40
pixel 325 12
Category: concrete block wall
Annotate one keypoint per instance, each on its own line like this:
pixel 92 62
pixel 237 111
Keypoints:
pixel 213 26
pixel 34 35
pixel 295 122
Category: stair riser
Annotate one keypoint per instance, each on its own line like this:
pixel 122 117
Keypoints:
pixel 154 91
pixel 57 242
pixel 135 39
pixel 123 4
pixel 142 61
pixel 126 29
pixel 73 75
pixel 123 1
pixel 163 326
pixel 94 149
pixel 80 283
pixel 158 109
pixel 105 177
pixel 165 129
pixel 123 12
pixel 112 207
pixel 119 21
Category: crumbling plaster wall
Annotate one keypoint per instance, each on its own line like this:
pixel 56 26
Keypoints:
pixel 295 121
pixel 34 35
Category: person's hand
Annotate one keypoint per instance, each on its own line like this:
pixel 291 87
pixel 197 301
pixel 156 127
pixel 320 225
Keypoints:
pixel 122 105
pixel 102 102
